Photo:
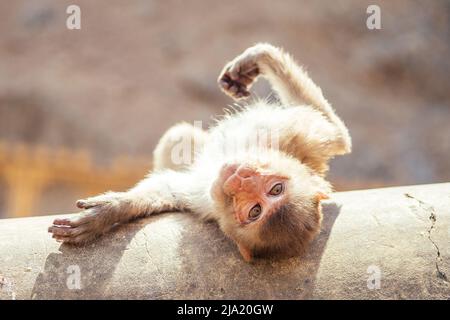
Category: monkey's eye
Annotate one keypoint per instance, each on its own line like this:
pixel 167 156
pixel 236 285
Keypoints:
pixel 276 189
pixel 255 212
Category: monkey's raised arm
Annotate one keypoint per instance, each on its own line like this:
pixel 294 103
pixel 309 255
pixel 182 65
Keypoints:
pixel 159 192
pixel 288 79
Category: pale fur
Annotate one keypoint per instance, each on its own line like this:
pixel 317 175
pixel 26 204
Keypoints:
pixel 310 135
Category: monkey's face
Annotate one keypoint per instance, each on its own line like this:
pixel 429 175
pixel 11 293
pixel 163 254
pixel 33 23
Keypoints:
pixel 256 192
pixel 269 206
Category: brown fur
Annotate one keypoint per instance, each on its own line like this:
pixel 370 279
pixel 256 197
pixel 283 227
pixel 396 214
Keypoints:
pixel 310 134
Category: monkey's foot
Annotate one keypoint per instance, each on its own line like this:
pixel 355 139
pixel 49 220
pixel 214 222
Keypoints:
pixel 238 76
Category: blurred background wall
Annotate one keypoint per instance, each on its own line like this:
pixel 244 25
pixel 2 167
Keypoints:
pixel 81 110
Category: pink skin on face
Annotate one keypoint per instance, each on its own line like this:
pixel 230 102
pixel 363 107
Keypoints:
pixel 249 187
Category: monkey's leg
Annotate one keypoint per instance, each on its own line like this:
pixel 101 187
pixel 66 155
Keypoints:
pixel 178 147
pixel 159 192
pixel 289 80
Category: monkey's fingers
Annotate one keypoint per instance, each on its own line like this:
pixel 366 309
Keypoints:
pixel 81 203
pixel 81 228
pixel 63 222
pixel 244 68
pixel 89 203
pixel 65 231
pixel 86 216
pixel 73 234
pixel 98 201
pixel 233 88
pixel 245 76
pixel 80 239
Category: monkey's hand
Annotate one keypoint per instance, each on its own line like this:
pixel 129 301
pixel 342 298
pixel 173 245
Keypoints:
pixel 99 216
pixel 238 76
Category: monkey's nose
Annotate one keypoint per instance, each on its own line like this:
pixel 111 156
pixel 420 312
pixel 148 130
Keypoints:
pixel 249 185
pixel 245 171
pixel 228 170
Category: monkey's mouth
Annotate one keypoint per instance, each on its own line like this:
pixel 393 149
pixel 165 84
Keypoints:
pixel 226 173
pixel 217 190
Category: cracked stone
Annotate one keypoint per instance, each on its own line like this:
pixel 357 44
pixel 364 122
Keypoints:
pixel 432 217
pixel 370 247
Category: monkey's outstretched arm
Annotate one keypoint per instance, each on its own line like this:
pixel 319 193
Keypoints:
pixel 288 79
pixel 159 192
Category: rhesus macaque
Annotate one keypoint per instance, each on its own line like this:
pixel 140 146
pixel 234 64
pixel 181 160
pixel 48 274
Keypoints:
pixel 267 200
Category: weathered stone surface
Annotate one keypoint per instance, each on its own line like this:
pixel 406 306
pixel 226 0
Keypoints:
pixel 397 230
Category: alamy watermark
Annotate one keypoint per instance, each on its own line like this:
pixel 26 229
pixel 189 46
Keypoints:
pixel 374 280
pixel 73 21
pixel 373 21
pixel 73 281
pixel 258 143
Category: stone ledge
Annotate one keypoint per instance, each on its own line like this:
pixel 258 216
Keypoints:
pixel 402 232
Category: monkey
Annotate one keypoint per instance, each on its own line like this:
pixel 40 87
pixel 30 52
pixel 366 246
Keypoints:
pixel 266 200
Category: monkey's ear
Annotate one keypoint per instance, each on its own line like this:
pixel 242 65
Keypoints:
pixel 246 253
pixel 321 196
